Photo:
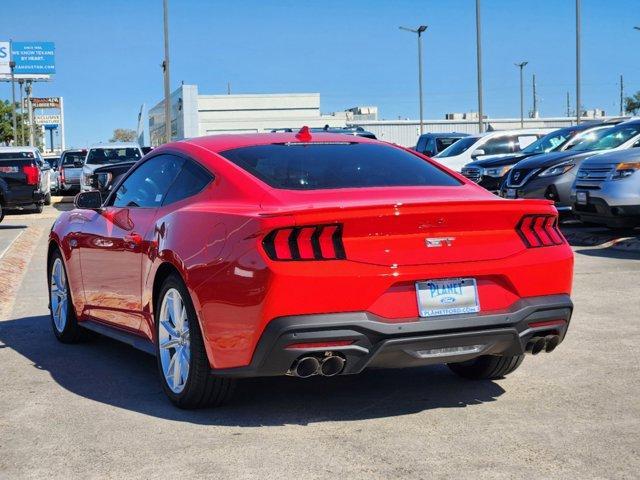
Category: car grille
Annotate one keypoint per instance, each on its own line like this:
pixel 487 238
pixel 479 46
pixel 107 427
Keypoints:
pixel 594 174
pixel 518 176
pixel 474 174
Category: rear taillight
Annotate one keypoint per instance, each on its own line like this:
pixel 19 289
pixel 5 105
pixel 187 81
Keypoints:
pixel 61 175
pixel 540 231
pixel 319 242
pixel 32 173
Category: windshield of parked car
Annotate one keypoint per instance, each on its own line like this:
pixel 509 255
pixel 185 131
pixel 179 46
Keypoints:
pixel 102 156
pixel 550 142
pixel 337 165
pixel 588 135
pixel 71 158
pixel 608 139
pixel 458 147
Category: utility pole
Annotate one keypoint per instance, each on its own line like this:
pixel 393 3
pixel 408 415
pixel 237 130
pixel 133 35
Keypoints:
pixel 12 66
pixel 568 106
pixel 419 31
pixel 28 90
pixel 165 69
pixel 535 98
pixel 479 68
pixel 578 100
pixel 521 65
pixel 621 96
pixel 21 88
pixel 228 88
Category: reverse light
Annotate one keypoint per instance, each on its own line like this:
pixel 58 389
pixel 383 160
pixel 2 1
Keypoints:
pixel 625 169
pixel 317 242
pixel 32 173
pixel 557 170
pixel 333 344
pixel 539 231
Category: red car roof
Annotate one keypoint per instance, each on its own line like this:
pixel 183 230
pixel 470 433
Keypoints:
pixel 220 143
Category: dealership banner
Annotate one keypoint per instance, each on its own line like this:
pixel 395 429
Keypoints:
pixel 33 58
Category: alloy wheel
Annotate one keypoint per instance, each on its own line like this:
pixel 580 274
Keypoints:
pixel 59 296
pixel 173 340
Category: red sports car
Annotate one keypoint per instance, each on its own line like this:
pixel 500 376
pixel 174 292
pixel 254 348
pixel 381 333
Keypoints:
pixel 307 254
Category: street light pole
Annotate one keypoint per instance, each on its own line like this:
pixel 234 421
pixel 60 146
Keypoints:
pixel 419 31
pixel 479 68
pixel 165 69
pixel 578 102
pixel 521 65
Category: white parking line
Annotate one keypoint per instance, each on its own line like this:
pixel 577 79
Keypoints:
pixel 11 243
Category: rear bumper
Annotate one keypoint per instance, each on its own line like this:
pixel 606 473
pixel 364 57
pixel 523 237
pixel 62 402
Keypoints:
pixel 383 344
pixel 597 210
pixel 23 196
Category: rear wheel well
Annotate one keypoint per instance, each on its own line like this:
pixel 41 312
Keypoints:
pixel 163 272
pixel 53 246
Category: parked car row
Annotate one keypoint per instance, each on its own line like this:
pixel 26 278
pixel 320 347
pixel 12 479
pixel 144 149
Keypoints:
pixel 586 170
pixel 28 179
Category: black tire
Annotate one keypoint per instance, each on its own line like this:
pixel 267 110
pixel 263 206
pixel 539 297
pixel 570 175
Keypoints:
pixel 1 212
pixel 201 389
pixel 47 199
pixel 71 332
pixel 39 207
pixel 487 367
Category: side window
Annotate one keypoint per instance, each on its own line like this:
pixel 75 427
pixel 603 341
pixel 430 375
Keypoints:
pixel 526 140
pixel 191 180
pixel 148 184
pixel 422 144
pixel 499 145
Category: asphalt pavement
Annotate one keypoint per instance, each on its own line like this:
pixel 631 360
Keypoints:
pixel 96 410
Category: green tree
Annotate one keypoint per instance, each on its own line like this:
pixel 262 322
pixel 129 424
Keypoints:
pixel 632 104
pixel 124 135
pixel 6 125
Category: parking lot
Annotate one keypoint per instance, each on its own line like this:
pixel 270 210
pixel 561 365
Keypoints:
pixel 96 410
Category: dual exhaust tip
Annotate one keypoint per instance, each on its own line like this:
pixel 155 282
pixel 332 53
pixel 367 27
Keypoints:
pixel 538 344
pixel 329 366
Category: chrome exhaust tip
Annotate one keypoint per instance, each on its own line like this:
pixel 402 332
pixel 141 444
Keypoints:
pixel 332 366
pixel 306 367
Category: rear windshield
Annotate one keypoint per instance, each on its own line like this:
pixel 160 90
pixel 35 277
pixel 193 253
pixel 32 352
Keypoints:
pixel 15 155
pixel 72 157
pixel 333 166
pixel 101 156
pixel 444 142
pixel 458 147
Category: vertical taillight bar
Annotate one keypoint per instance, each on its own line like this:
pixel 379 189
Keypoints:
pixel 312 242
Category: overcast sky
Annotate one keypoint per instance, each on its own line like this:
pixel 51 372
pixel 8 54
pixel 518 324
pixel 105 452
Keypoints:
pixel 108 53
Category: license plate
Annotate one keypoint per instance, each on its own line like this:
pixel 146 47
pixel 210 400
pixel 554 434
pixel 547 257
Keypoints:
pixel 512 193
pixel 449 296
pixel 582 198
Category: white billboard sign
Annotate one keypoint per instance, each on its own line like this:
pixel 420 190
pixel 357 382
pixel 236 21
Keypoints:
pixel 5 58
pixel 47 119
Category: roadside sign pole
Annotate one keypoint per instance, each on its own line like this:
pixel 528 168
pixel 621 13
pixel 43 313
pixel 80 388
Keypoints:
pixel 62 142
pixel 21 89
pixel 12 66
pixel 165 69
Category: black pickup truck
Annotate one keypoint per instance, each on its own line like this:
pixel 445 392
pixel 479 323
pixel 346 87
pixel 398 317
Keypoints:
pixel 20 179
pixel 105 178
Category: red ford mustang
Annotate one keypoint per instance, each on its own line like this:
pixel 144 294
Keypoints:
pixel 307 254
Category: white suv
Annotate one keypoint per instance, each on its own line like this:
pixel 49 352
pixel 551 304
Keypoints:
pixel 475 147
pixel 104 154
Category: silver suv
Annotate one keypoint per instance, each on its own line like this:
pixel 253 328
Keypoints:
pixel 607 189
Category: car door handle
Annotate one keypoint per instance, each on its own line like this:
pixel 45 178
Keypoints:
pixel 134 238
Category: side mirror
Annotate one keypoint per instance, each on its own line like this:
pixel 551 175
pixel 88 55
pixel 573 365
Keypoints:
pixel 88 200
pixel 478 153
